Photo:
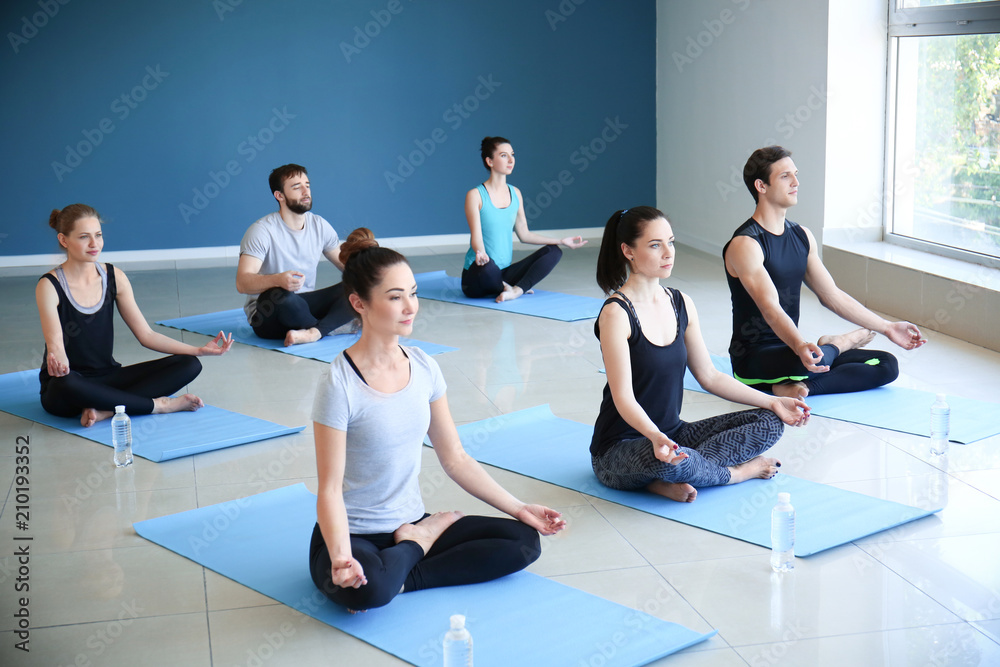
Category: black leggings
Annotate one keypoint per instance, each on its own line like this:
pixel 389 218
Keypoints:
pixel 133 386
pixel 471 550
pixel 279 311
pixel 854 370
pixel 487 280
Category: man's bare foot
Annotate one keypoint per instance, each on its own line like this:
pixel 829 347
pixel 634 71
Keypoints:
pixel 790 390
pixel 167 404
pixel 682 493
pixel 299 336
pixel 509 293
pixel 848 341
pixel 760 467
pixel 91 416
pixel 427 531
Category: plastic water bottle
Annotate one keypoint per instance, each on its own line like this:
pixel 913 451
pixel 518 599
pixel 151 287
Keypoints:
pixel 783 534
pixel 940 424
pixel 457 644
pixel 121 436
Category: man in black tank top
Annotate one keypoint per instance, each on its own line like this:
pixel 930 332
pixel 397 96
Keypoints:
pixel 767 260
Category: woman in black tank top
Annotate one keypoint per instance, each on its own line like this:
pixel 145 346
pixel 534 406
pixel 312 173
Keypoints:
pixel 649 335
pixel 76 301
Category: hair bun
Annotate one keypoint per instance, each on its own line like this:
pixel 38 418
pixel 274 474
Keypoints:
pixel 360 239
pixel 54 218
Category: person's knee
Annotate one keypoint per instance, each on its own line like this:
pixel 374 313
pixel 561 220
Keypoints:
pixel 61 394
pixel 554 251
pixel 369 596
pixel 190 365
pixel 773 424
pixel 889 366
pixel 528 546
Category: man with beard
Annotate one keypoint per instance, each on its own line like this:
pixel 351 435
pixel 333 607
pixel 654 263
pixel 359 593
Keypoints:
pixel 277 267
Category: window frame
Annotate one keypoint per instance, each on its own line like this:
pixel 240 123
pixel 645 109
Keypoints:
pixel 947 20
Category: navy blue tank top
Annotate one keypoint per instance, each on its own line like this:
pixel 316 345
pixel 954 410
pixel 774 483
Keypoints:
pixel 89 339
pixel 657 379
pixel 785 258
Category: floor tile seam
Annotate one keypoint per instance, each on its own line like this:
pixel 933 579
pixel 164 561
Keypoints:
pixel 555 577
pixel 926 593
pixel 272 603
pixel 73 497
pixel 660 574
pixel 984 632
pixel 104 621
pixel 916 587
pixel 211 485
pixel 842 635
pixel 6 498
pixel 208 616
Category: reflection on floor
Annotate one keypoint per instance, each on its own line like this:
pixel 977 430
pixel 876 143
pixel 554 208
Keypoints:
pixel 925 593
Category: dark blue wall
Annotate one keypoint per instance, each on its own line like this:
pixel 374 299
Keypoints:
pixel 138 108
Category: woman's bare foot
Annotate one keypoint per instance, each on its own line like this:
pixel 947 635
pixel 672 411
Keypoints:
pixel 168 404
pixel 848 341
pixel 509 293
pixel 427 531
pixel 682 493
pixel 790 390
pixel 760 467
pixel 91 416
pixel 298 336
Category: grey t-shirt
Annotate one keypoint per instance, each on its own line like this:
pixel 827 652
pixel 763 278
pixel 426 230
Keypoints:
pixel 385 433
pixel 282 249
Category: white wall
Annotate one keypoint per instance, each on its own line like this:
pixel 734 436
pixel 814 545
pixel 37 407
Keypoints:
pixel 732 76
pixel 856 120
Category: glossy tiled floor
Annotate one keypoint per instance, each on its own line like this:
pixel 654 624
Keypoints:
pixel 927 593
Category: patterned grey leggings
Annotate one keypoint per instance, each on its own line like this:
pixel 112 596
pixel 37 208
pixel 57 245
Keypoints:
pixel 711 445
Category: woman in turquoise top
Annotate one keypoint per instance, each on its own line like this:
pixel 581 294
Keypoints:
pixel 493 210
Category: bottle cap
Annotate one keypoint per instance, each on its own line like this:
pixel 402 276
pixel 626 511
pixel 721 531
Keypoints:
pixel 943 398
pixel 457 622
pixel 784 498
pixel 119 409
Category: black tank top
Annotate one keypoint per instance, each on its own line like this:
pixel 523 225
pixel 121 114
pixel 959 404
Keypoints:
pixel 657 379
pixel 785 258
pixel 88 338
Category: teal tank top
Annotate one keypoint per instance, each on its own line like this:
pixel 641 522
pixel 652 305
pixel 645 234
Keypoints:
pixel 497 225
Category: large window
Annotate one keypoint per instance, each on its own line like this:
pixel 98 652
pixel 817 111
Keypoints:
pixel 944 147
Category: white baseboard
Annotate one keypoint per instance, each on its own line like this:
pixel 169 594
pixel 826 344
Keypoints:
pixel 190 258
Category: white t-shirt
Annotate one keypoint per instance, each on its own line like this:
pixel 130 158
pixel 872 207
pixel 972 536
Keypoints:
pixel 385 433
pixel 281 249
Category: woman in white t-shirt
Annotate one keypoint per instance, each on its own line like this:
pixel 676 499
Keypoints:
pixel 373 408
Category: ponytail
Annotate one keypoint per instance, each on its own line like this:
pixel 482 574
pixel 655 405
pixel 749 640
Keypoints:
pixel 624 226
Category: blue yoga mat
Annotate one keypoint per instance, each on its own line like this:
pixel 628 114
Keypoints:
pixel 439 286
pixel 262 542
pixel 536 443
pixel 326 349
pixel 893 408
pixel 154 437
